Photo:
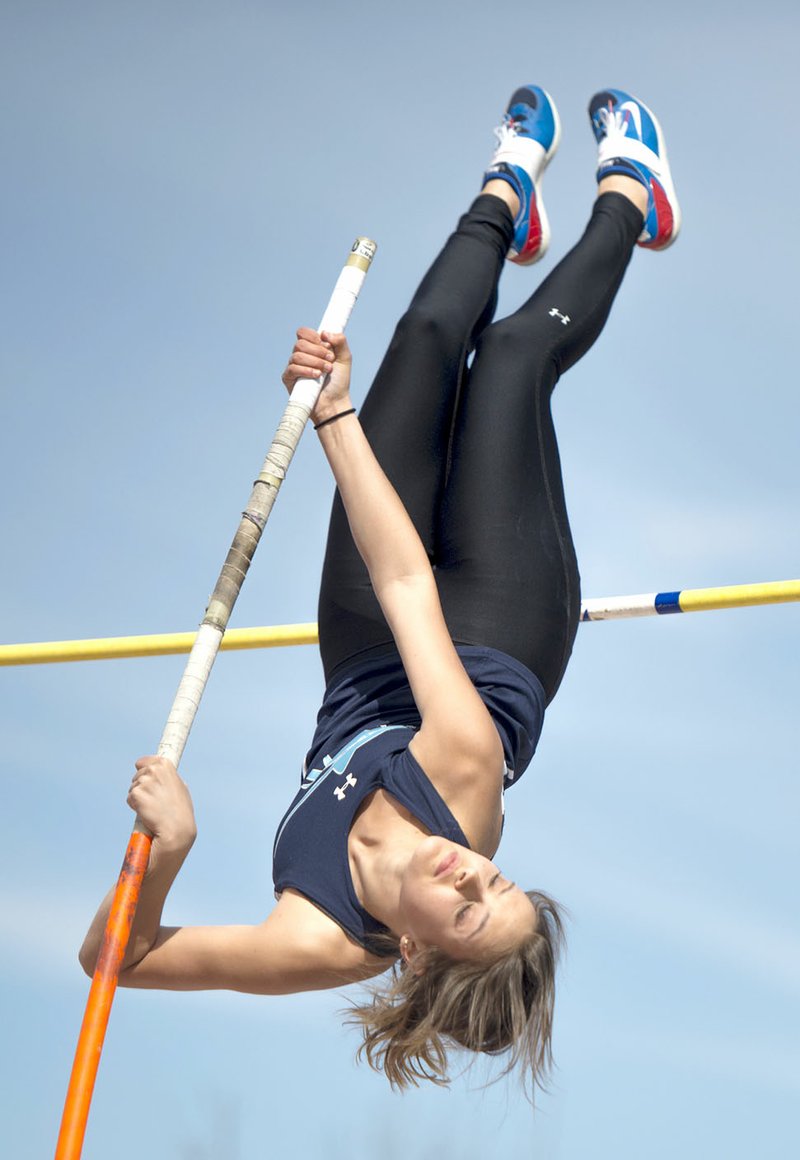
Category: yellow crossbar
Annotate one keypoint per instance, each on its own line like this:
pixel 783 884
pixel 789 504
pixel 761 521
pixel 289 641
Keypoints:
pixel 739 595
pixel 155 645
pixel 170 643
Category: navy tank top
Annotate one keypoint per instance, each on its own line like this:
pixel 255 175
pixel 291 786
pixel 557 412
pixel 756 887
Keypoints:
pixel 364 727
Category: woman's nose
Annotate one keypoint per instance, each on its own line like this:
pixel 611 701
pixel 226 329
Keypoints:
pixel 467 881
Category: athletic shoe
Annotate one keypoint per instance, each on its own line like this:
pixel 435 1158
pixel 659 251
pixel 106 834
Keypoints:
pixel 632 144
pixel 526 140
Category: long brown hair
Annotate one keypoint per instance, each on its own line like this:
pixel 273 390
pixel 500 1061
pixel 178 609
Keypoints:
pixel 503 1007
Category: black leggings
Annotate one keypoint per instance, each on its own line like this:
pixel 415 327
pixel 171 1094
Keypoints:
pixel 472 450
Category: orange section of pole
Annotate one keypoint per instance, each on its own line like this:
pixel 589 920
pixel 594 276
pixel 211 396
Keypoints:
pixel 101 996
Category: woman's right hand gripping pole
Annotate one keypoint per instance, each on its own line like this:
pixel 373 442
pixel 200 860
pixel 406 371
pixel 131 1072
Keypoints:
pixel 160 798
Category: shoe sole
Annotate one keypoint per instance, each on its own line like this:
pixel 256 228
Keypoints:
pixel 665 181
pixel 544 221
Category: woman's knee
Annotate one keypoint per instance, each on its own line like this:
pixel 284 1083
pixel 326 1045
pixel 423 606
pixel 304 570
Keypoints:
pixel 517 350
pixel 434 327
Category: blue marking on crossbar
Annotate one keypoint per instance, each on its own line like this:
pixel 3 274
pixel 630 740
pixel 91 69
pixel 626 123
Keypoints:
pixel 668 602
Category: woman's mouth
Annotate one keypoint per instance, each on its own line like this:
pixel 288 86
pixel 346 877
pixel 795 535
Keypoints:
pixel 446 864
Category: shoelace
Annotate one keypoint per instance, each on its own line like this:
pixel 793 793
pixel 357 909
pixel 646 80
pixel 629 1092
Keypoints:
pixel 612 121
pixel 506 132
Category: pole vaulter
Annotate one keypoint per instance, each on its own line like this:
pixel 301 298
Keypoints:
pixel 187 699
pixel 448 607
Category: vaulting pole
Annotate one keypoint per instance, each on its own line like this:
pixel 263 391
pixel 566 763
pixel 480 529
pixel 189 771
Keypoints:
pixel 184 708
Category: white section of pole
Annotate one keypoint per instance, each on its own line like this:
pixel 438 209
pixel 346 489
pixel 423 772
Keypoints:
pixel 287 437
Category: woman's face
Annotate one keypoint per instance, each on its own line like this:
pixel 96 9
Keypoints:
pixel 458 901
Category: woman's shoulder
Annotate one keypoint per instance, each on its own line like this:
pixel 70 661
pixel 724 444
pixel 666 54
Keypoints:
pixel 327 949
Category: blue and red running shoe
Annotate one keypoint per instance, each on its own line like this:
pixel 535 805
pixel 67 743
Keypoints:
pixel 526 140
pixel 632 144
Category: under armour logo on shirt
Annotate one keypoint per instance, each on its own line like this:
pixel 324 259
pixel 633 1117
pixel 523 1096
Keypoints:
pixel 341 790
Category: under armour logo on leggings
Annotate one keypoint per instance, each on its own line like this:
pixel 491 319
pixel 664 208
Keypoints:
pixel 556 313
pixel 341 790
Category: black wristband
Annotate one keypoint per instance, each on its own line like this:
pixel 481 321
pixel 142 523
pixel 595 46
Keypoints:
pixel 333 418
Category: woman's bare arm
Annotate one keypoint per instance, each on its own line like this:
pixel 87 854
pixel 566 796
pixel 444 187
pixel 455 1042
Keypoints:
pixel 297 948
pixel 458 737
pixel 161 799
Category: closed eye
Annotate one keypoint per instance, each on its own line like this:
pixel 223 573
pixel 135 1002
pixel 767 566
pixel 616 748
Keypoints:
pixel 462 912
pixel 506 888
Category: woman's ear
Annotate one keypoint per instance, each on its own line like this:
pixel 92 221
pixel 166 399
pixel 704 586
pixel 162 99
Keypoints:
pixel 412 955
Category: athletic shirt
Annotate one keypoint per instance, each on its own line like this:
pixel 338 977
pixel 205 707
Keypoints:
pixel 365 724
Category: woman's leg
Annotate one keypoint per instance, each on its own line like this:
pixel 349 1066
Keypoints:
pixel 408 416
pixel 506 565
pixel 507 570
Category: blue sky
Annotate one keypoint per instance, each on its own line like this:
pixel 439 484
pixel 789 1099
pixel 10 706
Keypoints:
pixel 181 184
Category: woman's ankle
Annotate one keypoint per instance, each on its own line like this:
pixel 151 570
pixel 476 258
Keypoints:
pixel 505 191
pixel 629 187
